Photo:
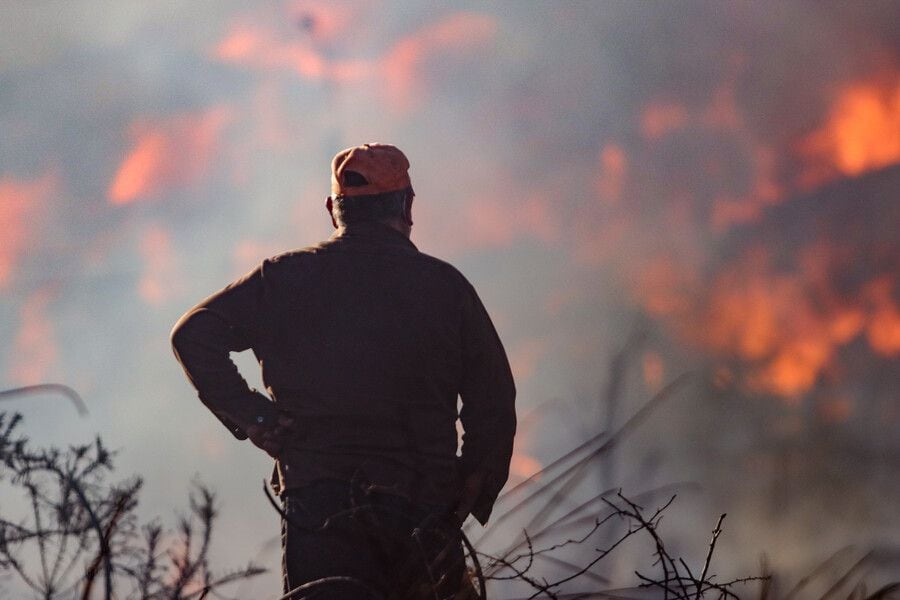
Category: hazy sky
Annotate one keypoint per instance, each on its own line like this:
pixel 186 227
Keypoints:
pixel 594 168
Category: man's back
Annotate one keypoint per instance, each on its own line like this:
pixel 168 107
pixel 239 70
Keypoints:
pixel 366 342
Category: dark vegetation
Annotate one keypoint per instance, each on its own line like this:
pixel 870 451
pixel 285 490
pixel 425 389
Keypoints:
pixel 81 537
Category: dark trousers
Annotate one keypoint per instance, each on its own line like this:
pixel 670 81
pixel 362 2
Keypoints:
pixel 343 543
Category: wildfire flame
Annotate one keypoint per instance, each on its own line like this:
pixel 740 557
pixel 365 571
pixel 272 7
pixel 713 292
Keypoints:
pixel 862 133
pixel 173 152
pixel 398 73
pixel 785 327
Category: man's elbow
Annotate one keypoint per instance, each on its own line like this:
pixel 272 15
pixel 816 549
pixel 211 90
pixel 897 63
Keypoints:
pixel 182 331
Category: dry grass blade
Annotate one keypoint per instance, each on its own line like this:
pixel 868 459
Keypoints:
pixel 43 388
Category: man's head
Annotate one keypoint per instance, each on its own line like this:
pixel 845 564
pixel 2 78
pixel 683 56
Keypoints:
pixel 371 183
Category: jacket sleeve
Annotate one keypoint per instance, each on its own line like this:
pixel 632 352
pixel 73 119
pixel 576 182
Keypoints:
pixel 488 412
pixel 228 321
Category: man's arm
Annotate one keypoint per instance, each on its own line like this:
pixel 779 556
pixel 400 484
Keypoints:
pixel 488 412
pixel 228 321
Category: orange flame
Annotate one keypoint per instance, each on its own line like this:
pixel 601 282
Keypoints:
pixel 786 328
pixel 252 47
pixel 862 133
pixel 883 328
pixel 399 72
pixel 170 153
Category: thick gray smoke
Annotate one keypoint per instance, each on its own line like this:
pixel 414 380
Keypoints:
pixel 597 170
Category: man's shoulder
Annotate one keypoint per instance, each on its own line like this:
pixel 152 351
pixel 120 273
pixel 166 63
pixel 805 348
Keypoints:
pixel 295 255
pixel 306 256
pixel 443 267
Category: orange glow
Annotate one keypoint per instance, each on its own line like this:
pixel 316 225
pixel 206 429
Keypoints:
pixel 613 166
pixel 861 133
pixel 836 410
pixel 492 222
pixel 157 282
pixel 664 289
pixel 846 324
pixel 240 45
pixel 403 66
pixel 883 331
pixel 744 313
pixel 559 299
pixel 400 73
pixel 212 444
pixel 785 328
pixel 248 254
pixel 35 346
pixel 764 192
pixel 768 321
pixel 252 47
pixel 654 370
pixel 322 21
pixel 523 466
pixel 660 118
pixel 723 112
pixel 166 154
pixel 524 357
pixel 794 368
pixel 20 201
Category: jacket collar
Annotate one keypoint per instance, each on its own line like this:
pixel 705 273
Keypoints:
pixel 372 232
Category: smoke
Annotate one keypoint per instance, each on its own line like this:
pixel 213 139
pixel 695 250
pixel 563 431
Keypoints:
pixel 718 175
pixel 175 152
pixel 21 206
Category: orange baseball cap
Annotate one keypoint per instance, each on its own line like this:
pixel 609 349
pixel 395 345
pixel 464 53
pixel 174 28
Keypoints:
pixel 384 168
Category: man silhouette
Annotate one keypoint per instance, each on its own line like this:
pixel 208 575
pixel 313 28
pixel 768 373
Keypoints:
pixel 365 345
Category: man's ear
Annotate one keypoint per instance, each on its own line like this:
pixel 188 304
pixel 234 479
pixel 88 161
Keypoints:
pixel 407 211
pixel 330 207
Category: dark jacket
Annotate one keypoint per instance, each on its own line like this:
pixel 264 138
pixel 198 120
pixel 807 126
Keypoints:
pixel 367 343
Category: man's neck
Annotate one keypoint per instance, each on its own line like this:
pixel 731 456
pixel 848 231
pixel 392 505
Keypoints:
pixel 395 224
